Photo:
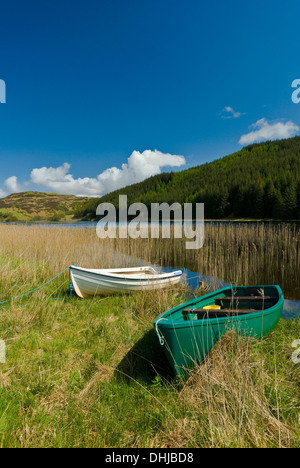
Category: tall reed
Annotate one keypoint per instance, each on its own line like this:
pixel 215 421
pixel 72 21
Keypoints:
pixel 235 253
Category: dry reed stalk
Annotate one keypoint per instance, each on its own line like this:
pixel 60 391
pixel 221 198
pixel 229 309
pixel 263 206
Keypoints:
pixel 228 397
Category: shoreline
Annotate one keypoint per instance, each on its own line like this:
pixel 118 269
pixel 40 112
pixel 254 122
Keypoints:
pixel 78 221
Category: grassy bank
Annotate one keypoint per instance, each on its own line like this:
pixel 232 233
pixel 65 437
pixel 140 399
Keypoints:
pixel 92 373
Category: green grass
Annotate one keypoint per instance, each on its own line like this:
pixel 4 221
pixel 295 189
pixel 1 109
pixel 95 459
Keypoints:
pixel 64 378
pixel 10 215
pixel 92 373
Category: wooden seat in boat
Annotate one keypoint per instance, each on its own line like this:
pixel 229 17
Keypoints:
pixel 207 313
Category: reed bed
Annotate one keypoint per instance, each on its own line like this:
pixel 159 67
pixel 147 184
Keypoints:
pixel 91 372
pixel 236 253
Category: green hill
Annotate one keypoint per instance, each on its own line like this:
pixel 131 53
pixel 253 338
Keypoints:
pixel 38 206
pixel 260 181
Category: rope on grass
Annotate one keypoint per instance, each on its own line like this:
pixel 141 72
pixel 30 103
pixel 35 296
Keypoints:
pixel 33 290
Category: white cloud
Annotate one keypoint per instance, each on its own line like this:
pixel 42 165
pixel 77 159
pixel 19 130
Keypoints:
pixel 12 186
pixel 263 130
pixel 139 167
pixel 229 113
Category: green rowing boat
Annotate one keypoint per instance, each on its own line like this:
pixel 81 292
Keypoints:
pixel 189 332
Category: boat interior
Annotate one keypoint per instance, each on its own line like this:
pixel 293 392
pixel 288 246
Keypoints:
pixel 139 272
pixel 233 302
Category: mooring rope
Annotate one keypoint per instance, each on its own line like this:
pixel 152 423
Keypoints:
pixel 160 336
pixel 35 289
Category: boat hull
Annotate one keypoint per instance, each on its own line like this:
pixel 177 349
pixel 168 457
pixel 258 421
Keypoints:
pixel 89 283
pixel 187 343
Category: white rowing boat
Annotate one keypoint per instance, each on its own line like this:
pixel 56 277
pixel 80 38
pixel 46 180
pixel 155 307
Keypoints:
pixel 87 282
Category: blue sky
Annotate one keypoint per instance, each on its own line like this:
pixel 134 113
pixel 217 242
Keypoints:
pixel 90 84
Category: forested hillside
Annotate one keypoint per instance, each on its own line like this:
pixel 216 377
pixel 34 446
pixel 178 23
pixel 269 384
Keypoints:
pixel 260 181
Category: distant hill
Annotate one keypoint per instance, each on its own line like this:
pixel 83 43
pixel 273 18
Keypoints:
pixel 38 206
pixel 260 181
